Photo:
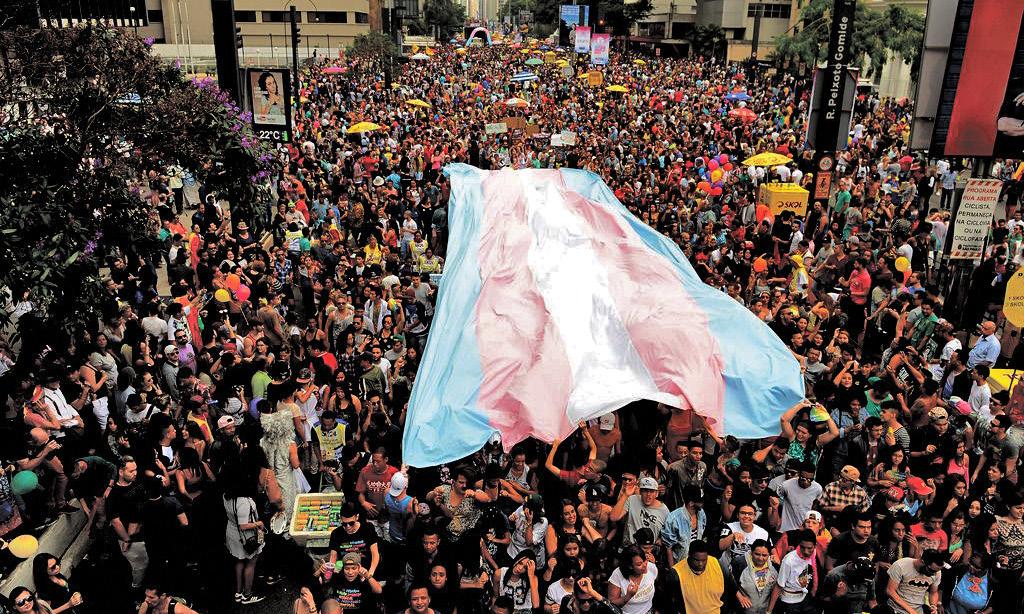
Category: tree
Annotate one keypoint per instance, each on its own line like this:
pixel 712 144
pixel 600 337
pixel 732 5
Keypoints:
pixel 445 15
pixel 373 45
pixel 88 112
pixel 621 17
pixel 707 41
pixel 876 35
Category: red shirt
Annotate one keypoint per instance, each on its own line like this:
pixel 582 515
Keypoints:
pixel 860 285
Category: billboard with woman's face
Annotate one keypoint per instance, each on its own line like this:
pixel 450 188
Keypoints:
pixel 269 94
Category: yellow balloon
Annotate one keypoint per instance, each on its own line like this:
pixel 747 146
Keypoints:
pixel 23 546
pixel 222 295
pixel 902 264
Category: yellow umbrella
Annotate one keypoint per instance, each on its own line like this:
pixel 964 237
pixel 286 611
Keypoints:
pixel 1003 379
pixel 416 102
pixel 621 89
pixel 562 63
pixel 460 50
pixel 640 62
pixel 549 53
pixel 525 51
pixel 363 127
pixel 768 158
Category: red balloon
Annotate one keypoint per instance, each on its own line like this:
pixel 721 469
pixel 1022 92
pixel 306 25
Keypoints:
pixel 728 166
pixel 242 292
pixel 704 186
pixel 716 191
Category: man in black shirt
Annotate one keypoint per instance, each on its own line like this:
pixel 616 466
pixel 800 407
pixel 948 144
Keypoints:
pixel 124 509
pixel 853 544
pixel 165 522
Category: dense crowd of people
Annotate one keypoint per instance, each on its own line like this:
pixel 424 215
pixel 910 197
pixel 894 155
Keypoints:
pixel 184 426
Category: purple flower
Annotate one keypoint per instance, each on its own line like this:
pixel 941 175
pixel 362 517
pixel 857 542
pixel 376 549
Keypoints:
pixel 245 117
pixel 149 40
pixel 177 64
pixel 235 128
pixel 246 142
pixel 90 247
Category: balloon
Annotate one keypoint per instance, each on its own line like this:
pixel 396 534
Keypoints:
pixel 727 166
pixel 902 264
pixel 724 158
pixel 222 296
pixel 716 191
pixel 713 165
pixel 24 482
pixel 760 265
pixel 704 186
pixel 23 546
pixel 233 281
pixel 716 175
pixel 242 292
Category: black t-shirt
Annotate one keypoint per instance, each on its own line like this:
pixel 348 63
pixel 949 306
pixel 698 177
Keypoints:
pixel 125 502
pixel 358 542
pixel 355 597
pixel 843 549
pixel 160 518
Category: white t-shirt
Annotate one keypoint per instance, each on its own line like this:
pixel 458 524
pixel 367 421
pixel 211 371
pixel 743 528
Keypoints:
pixel 741 546
pixel 641 601
pixel 555 594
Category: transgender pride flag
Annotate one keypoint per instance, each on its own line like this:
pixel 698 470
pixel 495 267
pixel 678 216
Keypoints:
pixel 558 305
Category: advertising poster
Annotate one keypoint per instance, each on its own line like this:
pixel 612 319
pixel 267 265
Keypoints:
pixel 987 116
pixel 599 46
pixel 973 218
pixel 582 39
pixel 269 95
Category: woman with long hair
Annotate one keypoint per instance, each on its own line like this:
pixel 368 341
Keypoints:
pixel 892 470
pixel 244 534
pixel 25 601
pixel 952 495
pixel 568 522
pixel 53 586
pixel 955 526
pixel 518 582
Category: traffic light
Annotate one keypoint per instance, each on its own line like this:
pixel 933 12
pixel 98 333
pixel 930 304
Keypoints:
pixel 294 19
pixel 239 42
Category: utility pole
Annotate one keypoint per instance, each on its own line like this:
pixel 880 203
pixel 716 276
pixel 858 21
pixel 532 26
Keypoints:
pixel 224 46
pixel 758 13
pixel 294 18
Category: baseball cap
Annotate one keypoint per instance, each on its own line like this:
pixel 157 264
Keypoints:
pixel 644 536
pixel 895 493
pixel 918 486
pixel 351 558
pixel 813 515
pixel 851 473
pixel 225 421
pixel 398 483
pixel 170 349
pixel 606 422
pixel 648 483
pixel 937 414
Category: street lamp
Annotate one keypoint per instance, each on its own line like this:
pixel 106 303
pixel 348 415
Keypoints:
pixel 135 24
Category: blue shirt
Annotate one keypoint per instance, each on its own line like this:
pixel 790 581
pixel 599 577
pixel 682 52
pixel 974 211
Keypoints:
pixel 677 531
pixel 986 350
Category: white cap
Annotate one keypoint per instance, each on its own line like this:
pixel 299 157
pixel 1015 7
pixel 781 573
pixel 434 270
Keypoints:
pixel 606 422
pixel 398 483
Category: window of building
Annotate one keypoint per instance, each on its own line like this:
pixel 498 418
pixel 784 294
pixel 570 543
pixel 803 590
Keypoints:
pixel 771 11
pixel 362 18
pixel 279 16
pixel 326 17
pixel 245 16
pixel 155 16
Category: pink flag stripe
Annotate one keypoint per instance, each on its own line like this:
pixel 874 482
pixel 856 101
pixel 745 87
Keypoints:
pixel 667 327
pixel 526 374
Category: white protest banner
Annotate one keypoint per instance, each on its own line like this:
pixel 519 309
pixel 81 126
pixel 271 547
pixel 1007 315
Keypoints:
pixel 556 140
pixel 496 128
pixel 568 137
pixel 974 218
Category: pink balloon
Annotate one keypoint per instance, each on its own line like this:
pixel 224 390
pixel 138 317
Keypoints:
pixel 713 165
pixel 243 292
pixel 724 158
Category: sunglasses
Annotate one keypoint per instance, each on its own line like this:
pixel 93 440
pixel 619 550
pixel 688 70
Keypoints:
pixel 350 523
pixel 24 600
pixel 54 567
